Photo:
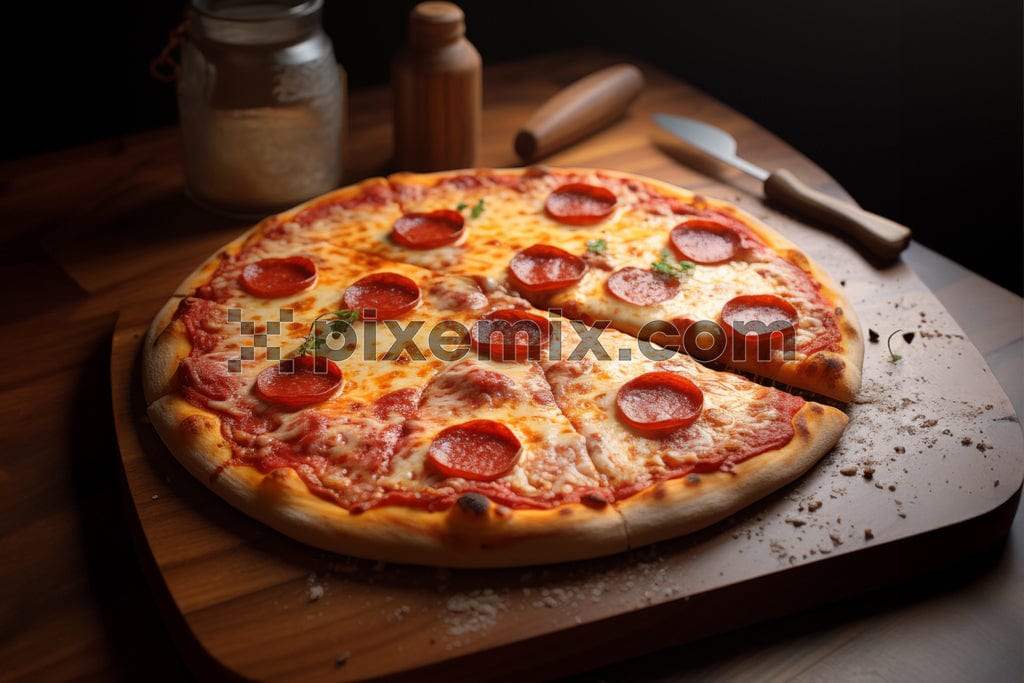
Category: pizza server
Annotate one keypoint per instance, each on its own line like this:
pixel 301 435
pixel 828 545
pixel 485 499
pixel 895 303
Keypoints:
pixel 882 237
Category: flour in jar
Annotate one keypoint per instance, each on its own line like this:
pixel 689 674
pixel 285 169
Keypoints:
pixel 265 156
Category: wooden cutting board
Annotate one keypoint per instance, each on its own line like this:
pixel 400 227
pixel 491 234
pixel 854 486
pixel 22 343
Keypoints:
pixel 929 470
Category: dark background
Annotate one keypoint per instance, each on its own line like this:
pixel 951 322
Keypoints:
pixel 914 106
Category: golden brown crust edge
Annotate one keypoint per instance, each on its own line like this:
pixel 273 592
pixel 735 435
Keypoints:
pixel 681 506
pixel 472 533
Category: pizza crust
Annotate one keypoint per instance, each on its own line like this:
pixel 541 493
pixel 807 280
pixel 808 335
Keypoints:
pixel 474 532
pixel 681 506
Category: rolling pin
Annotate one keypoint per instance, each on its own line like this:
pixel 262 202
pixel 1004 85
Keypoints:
pixel 578 110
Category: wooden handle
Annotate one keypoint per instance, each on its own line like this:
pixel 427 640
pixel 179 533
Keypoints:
pixel 883 237
pixel 580 109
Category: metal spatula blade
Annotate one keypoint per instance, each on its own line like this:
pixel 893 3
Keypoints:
pixel 710 140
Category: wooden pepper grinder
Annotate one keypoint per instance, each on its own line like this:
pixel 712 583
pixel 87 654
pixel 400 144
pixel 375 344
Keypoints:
pixel 436 78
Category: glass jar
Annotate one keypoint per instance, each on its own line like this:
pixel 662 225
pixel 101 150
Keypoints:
pixel 260 100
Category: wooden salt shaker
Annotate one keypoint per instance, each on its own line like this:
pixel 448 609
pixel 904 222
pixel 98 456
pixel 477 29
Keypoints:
pixel 436 78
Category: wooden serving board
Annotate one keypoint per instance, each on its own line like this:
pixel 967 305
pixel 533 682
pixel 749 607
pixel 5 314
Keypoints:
pixel 929 471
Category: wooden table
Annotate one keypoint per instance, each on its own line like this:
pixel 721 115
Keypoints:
pixel 91 231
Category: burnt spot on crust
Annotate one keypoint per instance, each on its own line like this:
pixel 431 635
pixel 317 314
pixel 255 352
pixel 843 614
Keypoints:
pixel 565 511
pixel 197 425
pixel 594 500
pixel 658 491
pixel 824 365
pixel 833 366
pixel 473 504
pixel 692 479
pixel 816 409
pixel 838 311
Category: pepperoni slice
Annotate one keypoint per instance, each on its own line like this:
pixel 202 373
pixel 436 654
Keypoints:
pixel 481 450
pixel 580 204
pixel 657 403
pixel 542 268
pixel 428 230
pixel 510 334
pixel 276 277
pixel 704 241
pixel 386 295
pixel 313 379
pixel 759 319
pixel 642 287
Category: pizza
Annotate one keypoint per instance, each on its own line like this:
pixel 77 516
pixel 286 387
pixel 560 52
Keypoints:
pixel 501 367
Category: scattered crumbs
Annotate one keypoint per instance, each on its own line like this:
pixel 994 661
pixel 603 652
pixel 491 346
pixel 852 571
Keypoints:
pixel 892 487
pixel 154 497
pixel 795 522
pixel 984 446
pixel 848 471
pixel 868 473
pixel 878 486
pixel 472 612
pixel 400 613
pixel 342 659
pixel 908 337
pixel 900 449
pixel 872 336
pixel 966 441
pixel 842 283
pixel 834 537
pixel 902 515
pixel 995 483
pixel 868 534
pixel 314 591
pixel 813 505
pixel 929 423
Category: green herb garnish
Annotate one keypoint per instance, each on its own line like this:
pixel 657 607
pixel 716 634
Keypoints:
pixel 597 246
pixel 314 342
pixel 665 266
pixel 460 206
pixel 895 356
pixel 477 209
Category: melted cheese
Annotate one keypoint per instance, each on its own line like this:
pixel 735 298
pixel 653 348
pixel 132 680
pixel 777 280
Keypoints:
pixel 553 461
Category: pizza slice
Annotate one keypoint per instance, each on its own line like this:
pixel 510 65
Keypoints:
pixel 681 446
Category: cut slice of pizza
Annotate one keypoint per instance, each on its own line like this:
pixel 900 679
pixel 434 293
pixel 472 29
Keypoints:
pixel 717 290
pixel 681 446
